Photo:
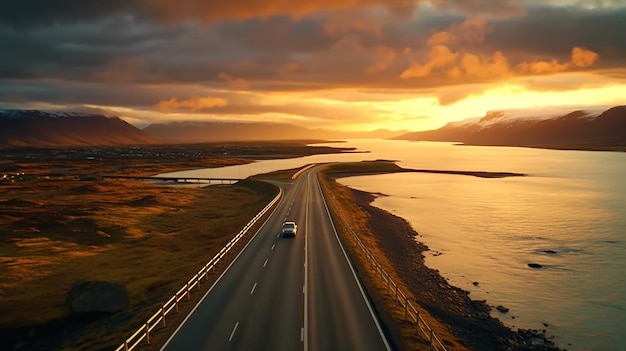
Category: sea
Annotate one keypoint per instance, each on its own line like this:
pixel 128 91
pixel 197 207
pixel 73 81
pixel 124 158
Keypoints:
pixel 567 215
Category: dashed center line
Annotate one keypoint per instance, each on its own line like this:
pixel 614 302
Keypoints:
pixel 265 264
pixel 233 333
pixel 273 246
pixel 252 291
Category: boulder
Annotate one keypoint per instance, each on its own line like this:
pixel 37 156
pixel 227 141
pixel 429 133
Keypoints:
pixel 502 309
pixel 97 297
pixel 534 265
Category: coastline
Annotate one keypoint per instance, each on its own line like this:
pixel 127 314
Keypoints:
pixel 468 320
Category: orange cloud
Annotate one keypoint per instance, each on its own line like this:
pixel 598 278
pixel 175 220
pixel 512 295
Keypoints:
pixel 471 30
pixel 209 11
pixel 580 58
pixel 440 56
pixel 385 57
pixel 444 59
pixel 194 104
pixel 583 57
pixel 234 82
pixel 485 67
pixel 542 67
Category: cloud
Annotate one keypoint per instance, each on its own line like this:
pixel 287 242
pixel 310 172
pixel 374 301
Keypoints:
pixel 384 58
pixel 495 9
pixel 440 56
pixel 495 66
pixel 193 105
pixel 234 82
pixel 443 58
pixel 583 58
pixel 580 58
pixel 472 30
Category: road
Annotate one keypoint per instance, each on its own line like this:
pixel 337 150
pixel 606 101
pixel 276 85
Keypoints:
pixel 280 293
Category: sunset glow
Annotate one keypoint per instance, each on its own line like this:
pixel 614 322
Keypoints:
pixel 346 65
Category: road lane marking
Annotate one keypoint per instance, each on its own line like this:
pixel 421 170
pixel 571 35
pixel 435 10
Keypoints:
pixel 233 333
pixel 305 331
pixel 265 264
pixel 252 291
pixel 273 246
pixel 301 334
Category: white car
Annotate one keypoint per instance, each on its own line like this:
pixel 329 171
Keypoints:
pixel 289 229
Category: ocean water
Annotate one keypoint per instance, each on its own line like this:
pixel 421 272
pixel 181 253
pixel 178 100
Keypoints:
pixel 568 215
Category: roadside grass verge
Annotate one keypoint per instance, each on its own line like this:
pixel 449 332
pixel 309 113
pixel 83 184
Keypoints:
pixel 344 205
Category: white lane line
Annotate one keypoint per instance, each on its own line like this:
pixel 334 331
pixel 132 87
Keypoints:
pixel 301 334
pixel 233 333
pixel 273 246
pixel 265 264
pixel 305 329
pixel 278 236
pixel 252 291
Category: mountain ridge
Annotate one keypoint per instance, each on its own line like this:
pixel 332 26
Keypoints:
pixel 210 131
pixel 578 129
pixel 35 128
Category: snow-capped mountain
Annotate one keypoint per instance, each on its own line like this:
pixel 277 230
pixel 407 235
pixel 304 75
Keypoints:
pixel 593 128
pixel 34 128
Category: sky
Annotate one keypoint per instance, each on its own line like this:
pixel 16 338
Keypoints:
pixel 336 64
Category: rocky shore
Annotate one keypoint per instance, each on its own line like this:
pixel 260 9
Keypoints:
pixel 468 319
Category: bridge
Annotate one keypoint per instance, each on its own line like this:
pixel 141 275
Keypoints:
pixel 176 179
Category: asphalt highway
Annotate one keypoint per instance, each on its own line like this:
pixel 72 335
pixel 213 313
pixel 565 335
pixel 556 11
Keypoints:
pixel 297 293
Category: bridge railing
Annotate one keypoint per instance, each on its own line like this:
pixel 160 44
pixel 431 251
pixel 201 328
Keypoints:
pixel 411 314
pixel 158 318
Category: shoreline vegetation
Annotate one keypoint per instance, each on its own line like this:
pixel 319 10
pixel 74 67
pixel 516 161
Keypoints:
pixel 460 322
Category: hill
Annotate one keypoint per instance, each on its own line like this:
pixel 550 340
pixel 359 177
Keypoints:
pixel 580 130
pixel 35 128
pixel 201 132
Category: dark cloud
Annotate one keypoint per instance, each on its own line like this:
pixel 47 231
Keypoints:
pixel 486 8
pixel 552 32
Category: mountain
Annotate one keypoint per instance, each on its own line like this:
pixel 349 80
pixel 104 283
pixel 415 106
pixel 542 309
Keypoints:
pixel 58 129
pixel 201 132
pixel 590 129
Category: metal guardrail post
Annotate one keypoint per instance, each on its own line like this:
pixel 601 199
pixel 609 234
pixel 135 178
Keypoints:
pixel 148 333
pixel 387 277
pixel 406 308
pixel 431 339
pixel 396 286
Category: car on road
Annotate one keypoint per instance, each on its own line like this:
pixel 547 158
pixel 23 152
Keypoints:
pixel 289 229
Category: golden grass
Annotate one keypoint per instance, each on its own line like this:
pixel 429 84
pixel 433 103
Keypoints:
pixel 150 237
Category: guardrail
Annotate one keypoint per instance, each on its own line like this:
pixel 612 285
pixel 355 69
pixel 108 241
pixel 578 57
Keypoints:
pixel 143 333
pixel 302 170
pixel 410 313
